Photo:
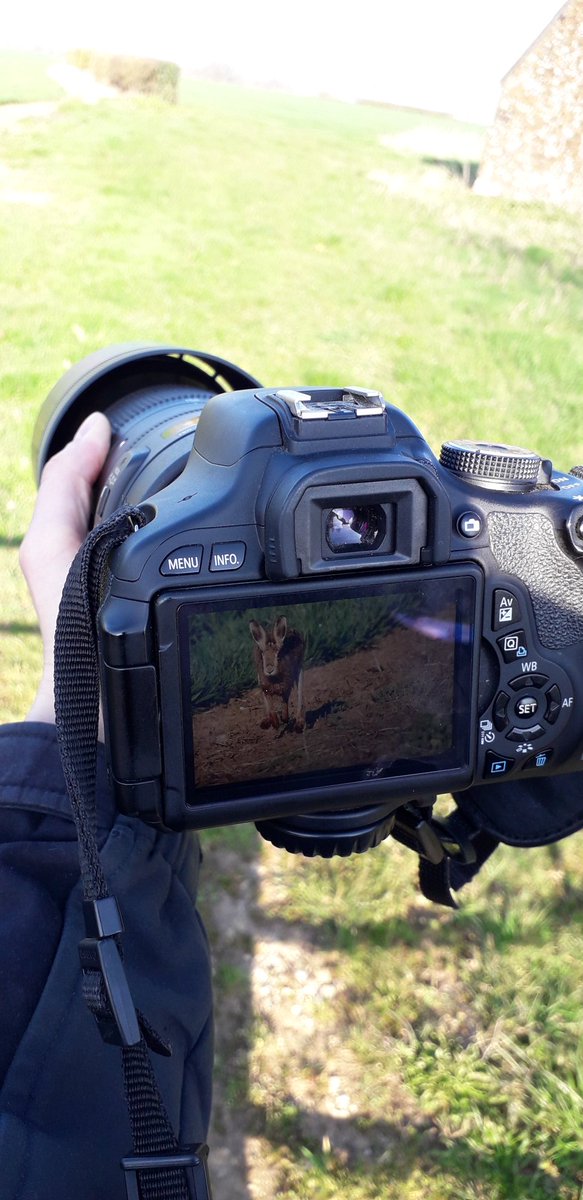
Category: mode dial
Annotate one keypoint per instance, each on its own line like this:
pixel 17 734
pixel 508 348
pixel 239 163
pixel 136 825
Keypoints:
pixel 504 468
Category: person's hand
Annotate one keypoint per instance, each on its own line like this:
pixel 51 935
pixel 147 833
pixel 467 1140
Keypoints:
pixel 59 524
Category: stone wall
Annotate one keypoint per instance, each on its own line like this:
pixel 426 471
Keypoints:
pixel 534 150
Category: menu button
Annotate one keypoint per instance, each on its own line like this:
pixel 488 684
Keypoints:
pixel 186 560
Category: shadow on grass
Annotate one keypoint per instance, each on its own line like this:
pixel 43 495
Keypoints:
pixel 466 170
pixel 19 627
pixel 10 543
pixel 274 1147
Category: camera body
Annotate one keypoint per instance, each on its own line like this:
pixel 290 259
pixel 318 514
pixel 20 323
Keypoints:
pixel 319 621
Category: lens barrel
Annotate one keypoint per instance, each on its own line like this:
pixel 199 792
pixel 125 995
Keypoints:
pixel 153 396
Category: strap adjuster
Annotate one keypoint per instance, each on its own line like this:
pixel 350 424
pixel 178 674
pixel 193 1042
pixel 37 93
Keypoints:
pixel 433 840
pixel 105 985
pixel 191 1160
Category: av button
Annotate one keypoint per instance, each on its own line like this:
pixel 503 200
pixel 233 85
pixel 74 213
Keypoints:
pixel 506 609
pixel 227 556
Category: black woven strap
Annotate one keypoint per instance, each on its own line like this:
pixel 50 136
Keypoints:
pixel 105 986
pixel 77 684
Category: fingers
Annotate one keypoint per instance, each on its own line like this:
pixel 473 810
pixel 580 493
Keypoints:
pixel 63 506
pixel 59 524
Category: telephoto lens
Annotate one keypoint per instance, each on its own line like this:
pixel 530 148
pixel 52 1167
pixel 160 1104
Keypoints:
pixel 153 397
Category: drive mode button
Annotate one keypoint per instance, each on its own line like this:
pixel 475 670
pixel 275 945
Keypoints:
pixel 227 556
pixel 184 561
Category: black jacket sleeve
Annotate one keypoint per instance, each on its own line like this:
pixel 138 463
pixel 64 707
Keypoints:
pixel 63 1120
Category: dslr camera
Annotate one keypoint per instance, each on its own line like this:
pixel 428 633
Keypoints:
pixel 320 621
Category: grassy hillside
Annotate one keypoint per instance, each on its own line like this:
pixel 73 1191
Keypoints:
pixel 436 1054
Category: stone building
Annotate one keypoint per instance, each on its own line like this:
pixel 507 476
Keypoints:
pixel 534 150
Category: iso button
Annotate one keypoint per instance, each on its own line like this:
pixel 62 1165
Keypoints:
pixel 227 556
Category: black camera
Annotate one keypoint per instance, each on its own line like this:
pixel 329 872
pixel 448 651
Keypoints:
pixel 319 621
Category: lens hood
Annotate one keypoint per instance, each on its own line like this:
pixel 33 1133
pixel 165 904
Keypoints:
pixel 100 379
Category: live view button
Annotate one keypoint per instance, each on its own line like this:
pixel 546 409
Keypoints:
pixel 227 556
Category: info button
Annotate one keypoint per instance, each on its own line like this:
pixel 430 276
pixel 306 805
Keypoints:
pixel 227 556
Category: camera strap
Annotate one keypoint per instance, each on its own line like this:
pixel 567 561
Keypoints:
pixel 158 1169
pixel 523 813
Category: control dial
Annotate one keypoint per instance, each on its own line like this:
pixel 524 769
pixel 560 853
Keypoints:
pixel 504 468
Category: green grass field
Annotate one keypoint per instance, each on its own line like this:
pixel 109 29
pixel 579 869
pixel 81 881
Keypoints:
pixel 302 240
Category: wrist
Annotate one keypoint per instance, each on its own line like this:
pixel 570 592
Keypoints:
pixel 43 705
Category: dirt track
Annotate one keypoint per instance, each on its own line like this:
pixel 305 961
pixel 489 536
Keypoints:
pixel 365 708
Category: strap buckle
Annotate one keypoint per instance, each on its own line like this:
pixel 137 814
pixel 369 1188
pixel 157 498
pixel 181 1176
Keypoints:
pixel 430 838
pixel 105 984
pixel 191 1160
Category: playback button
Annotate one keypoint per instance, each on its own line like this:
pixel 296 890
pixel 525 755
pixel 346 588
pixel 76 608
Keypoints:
pixel 497 765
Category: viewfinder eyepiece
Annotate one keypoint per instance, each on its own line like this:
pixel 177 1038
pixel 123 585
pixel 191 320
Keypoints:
pixel 349 530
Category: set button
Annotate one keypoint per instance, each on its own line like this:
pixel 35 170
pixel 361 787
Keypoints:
pixel 526 707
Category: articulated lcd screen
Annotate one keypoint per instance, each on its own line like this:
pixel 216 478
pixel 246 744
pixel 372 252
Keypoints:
pixel 311 688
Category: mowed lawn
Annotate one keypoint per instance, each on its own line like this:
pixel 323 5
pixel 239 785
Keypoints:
pixel 369 1044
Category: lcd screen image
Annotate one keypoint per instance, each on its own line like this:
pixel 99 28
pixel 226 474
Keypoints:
pixel 336 688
